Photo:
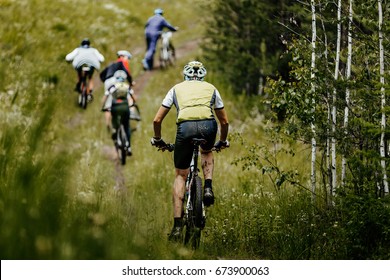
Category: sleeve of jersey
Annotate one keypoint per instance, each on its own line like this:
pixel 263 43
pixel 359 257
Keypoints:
pixel 168 100
pixel 218 101
pixel 70 56
pixel 168 25
pixel 99 56
pixel 110 90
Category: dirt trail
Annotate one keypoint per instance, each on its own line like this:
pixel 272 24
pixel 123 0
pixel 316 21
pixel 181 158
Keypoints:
pixel 181 51
pixel 140 82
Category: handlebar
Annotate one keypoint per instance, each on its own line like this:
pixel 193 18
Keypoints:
pixel 170 147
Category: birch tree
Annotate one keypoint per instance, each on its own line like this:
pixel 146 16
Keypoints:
pixel 313 128
pixel 333 183
pixel 383 98
pixel 347 91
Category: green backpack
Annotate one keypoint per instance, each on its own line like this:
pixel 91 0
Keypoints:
pixel 121 91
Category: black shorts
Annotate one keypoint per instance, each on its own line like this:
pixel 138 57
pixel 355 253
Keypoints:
pixel 186 131
pixel 120 113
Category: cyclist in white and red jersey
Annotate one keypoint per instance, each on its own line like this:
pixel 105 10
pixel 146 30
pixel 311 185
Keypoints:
pixel 197 103
pixel 108 78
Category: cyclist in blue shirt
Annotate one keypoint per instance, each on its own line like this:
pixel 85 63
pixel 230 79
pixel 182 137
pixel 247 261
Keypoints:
pixel 153 30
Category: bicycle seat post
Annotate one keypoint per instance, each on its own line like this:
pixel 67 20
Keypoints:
pixel 196 143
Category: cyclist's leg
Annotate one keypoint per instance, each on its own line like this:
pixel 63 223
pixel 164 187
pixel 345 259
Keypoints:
pixel 90 81
pixel 107 106
pixel 125 120
pixel 207 162
pixel 183 147
pixel 209 131
pixel 79 76
pixel 182 159
pixel 151 50
pixel 178 191
pixel 107 112
pixel 121 112
pixel 178 198
pixel 115 119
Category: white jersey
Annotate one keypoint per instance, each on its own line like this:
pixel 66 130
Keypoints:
pixel 81 55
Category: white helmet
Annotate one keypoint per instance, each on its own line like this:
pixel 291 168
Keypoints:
pixel 120 75
pixel 194 70
pixel 124 53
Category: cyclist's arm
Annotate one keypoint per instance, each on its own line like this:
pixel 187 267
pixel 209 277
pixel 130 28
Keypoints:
pixel 131 97
pixel 169 26
pixel 99 55
pixel 103 74
pixel 70 56
pixel 104 99
pixel 158 119
pixel 109 91
pixel 224 122
pixel 129 78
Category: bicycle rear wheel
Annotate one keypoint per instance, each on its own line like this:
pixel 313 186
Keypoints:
pixel 84 100
pixel 192 236
pixel 122 144
pixel 198 202
pixel 195 222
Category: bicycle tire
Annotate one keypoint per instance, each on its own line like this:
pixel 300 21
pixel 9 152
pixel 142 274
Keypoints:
pixel 198 202
pixel 122 146
pixel 84 100
pixel 192 236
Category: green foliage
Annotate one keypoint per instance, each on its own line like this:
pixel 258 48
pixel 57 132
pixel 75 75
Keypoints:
pixel 243 35
pixel 63 195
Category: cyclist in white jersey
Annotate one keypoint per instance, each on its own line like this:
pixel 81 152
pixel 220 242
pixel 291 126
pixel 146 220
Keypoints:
pixel 85 55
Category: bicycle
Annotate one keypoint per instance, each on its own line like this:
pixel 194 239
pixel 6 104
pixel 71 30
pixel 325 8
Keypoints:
pixel 122 143
pixel 84 86
pixel 167 54
pixel 194 211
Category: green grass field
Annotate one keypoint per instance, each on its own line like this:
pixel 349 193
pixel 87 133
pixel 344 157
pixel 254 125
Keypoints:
pixel 63 196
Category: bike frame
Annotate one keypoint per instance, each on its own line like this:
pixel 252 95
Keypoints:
pixel 84 86
pixel 191 179
pixel 166 56
pixel 194 224
pixel 121 139
pixel 194 213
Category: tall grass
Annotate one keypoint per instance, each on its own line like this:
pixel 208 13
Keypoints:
pixel 63 195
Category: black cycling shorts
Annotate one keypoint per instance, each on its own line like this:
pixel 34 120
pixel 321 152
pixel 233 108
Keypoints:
pixel 186 131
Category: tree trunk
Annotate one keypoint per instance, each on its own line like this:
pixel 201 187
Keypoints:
pixel 383 100
pixel 313 128
pixel 347 92
pixel 334 108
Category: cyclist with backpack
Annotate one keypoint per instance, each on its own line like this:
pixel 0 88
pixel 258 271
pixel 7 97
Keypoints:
pixel 122 98
pixel 107 77
pixel 85 55
pixel 197 103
